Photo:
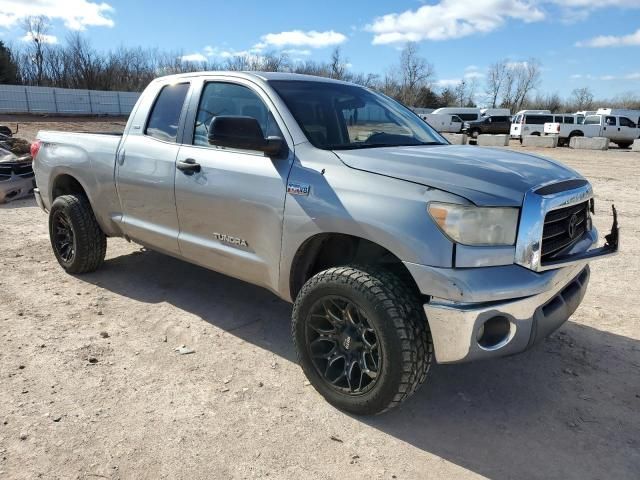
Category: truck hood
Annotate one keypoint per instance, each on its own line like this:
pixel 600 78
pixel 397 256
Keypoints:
pixel 484 176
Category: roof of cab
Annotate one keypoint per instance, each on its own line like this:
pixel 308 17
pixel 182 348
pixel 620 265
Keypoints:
pixel 264 76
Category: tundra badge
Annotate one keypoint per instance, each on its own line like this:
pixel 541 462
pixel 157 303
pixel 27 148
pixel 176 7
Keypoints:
pixel 229 239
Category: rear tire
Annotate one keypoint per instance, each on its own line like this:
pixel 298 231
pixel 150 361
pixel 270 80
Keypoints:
pixel 395 353
pixel 76 238
pixel 623 145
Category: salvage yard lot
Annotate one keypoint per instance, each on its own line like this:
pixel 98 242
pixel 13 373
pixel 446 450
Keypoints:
pixel 91 387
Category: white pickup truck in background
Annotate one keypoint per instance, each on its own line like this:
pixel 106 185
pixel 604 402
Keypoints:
pixel 619 129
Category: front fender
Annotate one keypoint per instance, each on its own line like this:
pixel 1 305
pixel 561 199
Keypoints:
pixel 389 212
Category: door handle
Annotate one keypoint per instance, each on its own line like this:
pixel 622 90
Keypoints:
pixel 121 158
pixel 189 166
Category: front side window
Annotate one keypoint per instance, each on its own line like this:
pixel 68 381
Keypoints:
pixel 219 98
pixel 336 116
pixel 164 118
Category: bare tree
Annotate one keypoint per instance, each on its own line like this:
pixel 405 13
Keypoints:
pixel 415 72
pixel 338 64
pixel 496 78
pixel 582 98
pixel 36 29
pixel 527 79
pixel 520 79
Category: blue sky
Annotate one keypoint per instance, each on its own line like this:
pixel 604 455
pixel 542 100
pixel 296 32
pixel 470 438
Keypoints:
pixel 593 43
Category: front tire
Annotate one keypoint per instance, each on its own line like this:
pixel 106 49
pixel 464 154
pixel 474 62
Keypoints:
pixel 361 338
pixel 76 238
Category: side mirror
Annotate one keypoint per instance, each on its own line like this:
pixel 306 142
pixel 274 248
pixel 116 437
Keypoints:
pixel 235 131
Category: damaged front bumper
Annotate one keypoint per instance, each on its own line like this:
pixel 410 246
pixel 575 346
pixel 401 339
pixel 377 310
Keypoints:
pixel 16 178
pixel 477 313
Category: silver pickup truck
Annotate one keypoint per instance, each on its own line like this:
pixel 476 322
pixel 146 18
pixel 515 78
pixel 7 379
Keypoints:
pixel 393 245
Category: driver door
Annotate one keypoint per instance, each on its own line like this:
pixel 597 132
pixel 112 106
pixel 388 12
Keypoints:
pixel 231 210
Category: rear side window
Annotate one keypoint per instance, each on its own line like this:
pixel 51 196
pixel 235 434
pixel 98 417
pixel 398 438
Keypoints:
pixel 468 116
pixel 499 119
pixel 517 119
pixel 611 121
pixel 568 120
pixel 625 122
pixel 165 115
pixel 538 119
pixel 595 120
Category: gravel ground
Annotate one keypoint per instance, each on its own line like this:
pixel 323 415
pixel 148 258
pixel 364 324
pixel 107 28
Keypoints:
pixel 91 386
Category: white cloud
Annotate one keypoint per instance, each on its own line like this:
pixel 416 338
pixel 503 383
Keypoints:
pixel 514 65
pixel 76 14
pixel 628 76
pixel 633 39
pixel 297 52
pixel 298 38
pixel 50 39
pixel 473 72
pixel 448 82
pixel 451 19
pixel 194 57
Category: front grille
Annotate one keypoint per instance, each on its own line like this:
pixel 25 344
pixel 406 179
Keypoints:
pixel 558 226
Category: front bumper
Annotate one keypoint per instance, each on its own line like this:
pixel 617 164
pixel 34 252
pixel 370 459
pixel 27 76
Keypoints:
pixel 456 327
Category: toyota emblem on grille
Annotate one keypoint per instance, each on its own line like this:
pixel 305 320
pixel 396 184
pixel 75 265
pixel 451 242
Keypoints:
pixel 572 227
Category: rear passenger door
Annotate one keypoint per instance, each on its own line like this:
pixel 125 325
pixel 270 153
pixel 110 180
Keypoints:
pixel 145 167
pixel 628 129
pixel 231 210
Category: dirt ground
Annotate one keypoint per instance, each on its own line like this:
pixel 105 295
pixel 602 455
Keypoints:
pixel 90 385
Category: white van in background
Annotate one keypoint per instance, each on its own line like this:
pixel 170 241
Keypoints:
pixel 443 123
pixel 532 122
pixel 495 112
pixel 466 114
pixel 529 122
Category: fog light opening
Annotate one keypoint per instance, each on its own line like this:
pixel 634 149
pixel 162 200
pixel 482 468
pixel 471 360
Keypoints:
pixel 494 332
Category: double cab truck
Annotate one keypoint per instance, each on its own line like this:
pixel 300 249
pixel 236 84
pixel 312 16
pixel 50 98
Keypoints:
pixel 397 249
pixel 493 124
pixel 619 129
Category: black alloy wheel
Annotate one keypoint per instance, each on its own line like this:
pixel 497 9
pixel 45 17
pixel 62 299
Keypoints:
pixel 343 345
pixel 63 238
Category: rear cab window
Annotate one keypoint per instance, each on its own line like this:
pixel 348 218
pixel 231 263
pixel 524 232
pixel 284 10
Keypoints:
pixel 164 119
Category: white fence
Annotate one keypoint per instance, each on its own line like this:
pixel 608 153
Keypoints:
pixel 65 101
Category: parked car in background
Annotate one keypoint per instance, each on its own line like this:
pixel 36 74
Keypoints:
pixel 465 113
pixel 620 130
pixel 499 124
pixel 442 122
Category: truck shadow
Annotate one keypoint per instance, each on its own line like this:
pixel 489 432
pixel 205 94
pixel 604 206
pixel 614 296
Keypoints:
pixel 566 409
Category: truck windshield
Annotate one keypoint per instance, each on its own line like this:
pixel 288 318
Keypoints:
pixel 337 116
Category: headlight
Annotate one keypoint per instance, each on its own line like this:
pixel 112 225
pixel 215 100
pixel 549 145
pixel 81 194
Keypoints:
pixel 472 225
